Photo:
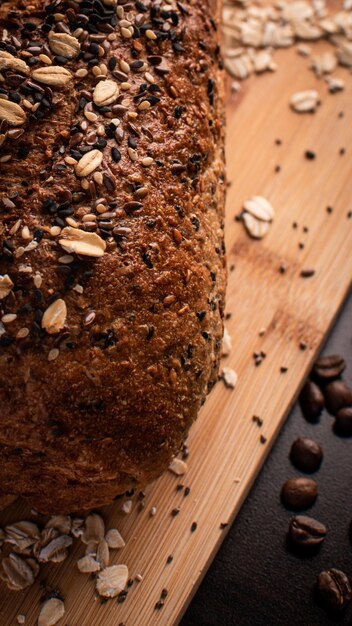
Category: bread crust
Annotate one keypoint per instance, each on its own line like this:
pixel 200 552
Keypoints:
pixel 99 400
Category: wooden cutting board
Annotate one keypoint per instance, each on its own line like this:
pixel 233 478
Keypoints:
pixel 226 450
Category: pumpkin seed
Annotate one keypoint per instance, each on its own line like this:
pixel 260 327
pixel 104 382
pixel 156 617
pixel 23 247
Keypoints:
pixel 82 242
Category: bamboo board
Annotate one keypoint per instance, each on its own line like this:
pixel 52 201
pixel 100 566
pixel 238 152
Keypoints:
pixel 226 451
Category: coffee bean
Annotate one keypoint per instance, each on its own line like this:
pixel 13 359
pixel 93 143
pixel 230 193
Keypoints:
pixel 343 422
pixel 299 493
pixel 306 531
pixel 306 454
pixel 334 588
pixel 337 396
pixel 329 367
pixel 312 400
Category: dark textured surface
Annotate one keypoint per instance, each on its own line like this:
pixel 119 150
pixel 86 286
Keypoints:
pixel 255 580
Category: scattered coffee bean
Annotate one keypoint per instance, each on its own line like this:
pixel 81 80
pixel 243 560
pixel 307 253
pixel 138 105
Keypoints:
pixel 299 493
pixel 306 531
pixel 334 588
pixel 337 396
pixel 306 454
pixel 312 400
pixel 343 422
pixel 329 367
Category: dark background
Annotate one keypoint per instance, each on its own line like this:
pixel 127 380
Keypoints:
pixel 255 580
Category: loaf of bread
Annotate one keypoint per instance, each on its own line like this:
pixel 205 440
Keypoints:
pixel 112 255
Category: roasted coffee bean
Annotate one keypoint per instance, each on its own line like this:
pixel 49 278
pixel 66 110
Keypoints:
pixel 343 422
pixel 337 396
pixel 306 454
pixel 334 588
pixel 329 367
pixel 299 493
pixel 306 531
pixel 311 400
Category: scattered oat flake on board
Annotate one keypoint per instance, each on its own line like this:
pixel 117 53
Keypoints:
pixel 254 227
pixel 229 377
pixel 88 564
pixel 94 529
pixel 114 539
pixel 82 242
pixel 178 467
pixel 51 612
pixel 112 580
pixel 126 507
pixel 21 619
pixel 226 345
pixel 305 101
pixel 335 84
pixel 260 208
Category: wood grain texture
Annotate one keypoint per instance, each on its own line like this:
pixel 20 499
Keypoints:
pixel 226 451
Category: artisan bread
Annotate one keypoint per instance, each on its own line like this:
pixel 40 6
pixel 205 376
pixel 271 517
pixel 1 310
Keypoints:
pixel 112 256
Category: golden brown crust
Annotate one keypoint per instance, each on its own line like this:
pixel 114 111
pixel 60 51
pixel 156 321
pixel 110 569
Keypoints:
pixel 97 401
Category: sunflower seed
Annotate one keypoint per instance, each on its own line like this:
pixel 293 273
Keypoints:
pixel 112 580
pixel 94 529
pixel 12 113
pixel 6 286
pixel 63 44
pixel 105 93
pixel 54 317
pixel 255 228
pixel 229 377
pixel 88 565
pixel 114 539
pixel 88 163
pixel 53 75
pixel 305 101
pixel 82 242
pixel 260 208
pixel 178 467
pixel 51 612
pixel 9 62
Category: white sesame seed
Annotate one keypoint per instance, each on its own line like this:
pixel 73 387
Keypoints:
pixel 150 34
pixel 38 280
pixel 126 33
pixel 55 230
pixel 146 161
pixel 81 73
pixel 124 66
pixel 8 318
pixel 132 154
pixel 65 259
pixel 45 59
pixel 125 86
pixel 53 354
pixel 25 234
pixel 92 117
pixel 71 222
pixel 98 179
pixel 148 76
pixel 22 333
pixel 143 105
pixel 70 160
